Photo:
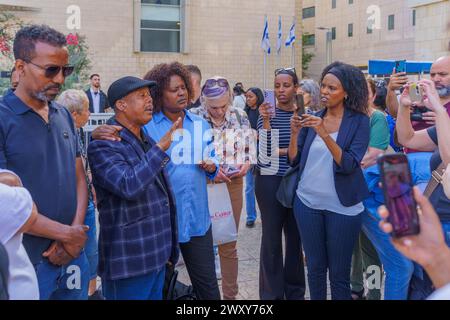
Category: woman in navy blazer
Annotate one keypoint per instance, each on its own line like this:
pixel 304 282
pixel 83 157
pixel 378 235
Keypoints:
pixel 329 147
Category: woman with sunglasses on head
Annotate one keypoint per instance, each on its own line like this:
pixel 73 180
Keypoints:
pixel 254 99
pixel 329 148
pixel 187 176
pixel 280 277
pixel 235 146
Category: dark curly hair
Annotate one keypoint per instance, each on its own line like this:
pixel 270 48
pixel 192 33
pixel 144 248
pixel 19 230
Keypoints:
pixel 353 82
pixel 162 73
pixel 26 38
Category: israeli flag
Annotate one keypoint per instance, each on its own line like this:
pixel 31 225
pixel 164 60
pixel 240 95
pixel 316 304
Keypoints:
pixel 291 37
pixel 280 36
pixel 265 43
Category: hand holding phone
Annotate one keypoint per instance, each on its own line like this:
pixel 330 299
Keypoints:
pixel 400 66
pixel 269 99
pixel 398 194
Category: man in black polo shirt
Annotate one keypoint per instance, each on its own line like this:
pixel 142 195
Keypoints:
pixel 38 142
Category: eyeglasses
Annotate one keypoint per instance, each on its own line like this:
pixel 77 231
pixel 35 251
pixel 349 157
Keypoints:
pixel 285 70
pixel 53 71
pixel 211 83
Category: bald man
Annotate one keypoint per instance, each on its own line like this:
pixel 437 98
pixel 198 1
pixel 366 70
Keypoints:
pixel 440 75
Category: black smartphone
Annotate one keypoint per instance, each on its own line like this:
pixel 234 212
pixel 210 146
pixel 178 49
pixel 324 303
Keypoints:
pixel 300 102
pixel 398 194
pixel 400 66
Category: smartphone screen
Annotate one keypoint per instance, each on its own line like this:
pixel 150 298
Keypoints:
pixel 269 98
pixel 400 66
pixel 398 195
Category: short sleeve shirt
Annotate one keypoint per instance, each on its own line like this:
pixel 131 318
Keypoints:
pixel 379 131
pixel 43 155
pixel 438 198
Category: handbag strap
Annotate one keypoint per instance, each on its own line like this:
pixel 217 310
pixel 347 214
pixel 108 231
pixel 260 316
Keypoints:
pixel 436 179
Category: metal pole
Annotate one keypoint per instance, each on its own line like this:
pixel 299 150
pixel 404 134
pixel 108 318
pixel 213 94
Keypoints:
pixel 265 71
pixel 329 47
pixel 293 55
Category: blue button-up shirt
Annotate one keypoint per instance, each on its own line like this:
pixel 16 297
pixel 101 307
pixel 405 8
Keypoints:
pixel 187 179
pixel 43 156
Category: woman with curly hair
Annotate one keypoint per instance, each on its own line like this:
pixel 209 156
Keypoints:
pixel 188 172
pixel 329 147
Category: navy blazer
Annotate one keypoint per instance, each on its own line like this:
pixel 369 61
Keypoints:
pixel 137 210
pixel 104 104
pixel 353 138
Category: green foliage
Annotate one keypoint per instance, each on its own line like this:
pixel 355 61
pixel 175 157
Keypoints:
pixel 306 56
pixel 78 53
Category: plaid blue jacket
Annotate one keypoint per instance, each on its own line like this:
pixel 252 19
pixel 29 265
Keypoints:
pixel 138 232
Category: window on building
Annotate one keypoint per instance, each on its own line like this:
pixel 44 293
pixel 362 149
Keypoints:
pixel 369 30
pixel 414 17
pixel 333 4
pixel 391 22
pixel 333 33
pixel 160 25
pixel 310 40
pixel 309 12
pixel 350 30
pixel 350 1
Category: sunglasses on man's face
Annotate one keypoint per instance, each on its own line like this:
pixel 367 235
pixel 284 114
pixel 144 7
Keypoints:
pixel 210 83
pixel 53 71
pixel 285 70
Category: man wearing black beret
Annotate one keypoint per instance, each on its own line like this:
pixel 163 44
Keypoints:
pixel 138 232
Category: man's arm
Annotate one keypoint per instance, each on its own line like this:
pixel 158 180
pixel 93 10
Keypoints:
pixel 113 172
pixel 82 193
pixel 396 82
pixel 407 137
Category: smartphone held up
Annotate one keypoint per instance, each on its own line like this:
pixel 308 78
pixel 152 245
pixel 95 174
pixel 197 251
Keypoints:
pixel 399 195
pixel 269 98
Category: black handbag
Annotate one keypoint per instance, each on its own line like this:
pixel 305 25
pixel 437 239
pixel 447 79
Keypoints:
pixel 174 289
pixel 286 192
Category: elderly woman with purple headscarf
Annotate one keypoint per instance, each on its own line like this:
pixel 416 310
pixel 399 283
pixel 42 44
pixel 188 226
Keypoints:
pixel 235 145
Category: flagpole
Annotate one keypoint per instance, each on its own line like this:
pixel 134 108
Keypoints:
pixel 265 70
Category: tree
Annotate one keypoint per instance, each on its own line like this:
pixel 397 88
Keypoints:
pixel 306 56
pixel 9 25
pixel 78 57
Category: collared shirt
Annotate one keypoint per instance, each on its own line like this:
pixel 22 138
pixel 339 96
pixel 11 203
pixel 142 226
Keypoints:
pixel 96 100
pixel 234 139
pixel 43 155
pixel 138 232
pixel 188 181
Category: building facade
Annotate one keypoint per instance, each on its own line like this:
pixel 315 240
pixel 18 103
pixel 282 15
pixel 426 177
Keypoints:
pixel 432 37
pixel 361 30
pixel 129 37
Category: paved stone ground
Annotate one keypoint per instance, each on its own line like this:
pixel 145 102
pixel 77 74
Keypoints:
pixel 249 242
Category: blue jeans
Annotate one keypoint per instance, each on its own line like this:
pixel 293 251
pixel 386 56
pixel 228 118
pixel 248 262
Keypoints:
pixel 146 287
pixel 397 267
pixel 250 196
pixel 328 240
pixel 70 282
pixel 91 247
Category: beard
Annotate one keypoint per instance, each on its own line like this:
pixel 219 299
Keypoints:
pixel 443 91
pixel 44 96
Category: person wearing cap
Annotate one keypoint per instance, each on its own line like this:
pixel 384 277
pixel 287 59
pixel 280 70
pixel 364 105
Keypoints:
pixel 138 231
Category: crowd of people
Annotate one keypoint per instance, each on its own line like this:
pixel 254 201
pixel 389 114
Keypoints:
pixel 309 165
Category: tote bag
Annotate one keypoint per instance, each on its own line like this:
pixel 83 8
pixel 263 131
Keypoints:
pixel 221 212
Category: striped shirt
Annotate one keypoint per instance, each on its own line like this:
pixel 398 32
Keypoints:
pixel 270 141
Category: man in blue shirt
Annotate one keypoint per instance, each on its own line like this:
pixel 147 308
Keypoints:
pixel 138 230
pixel 38 142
